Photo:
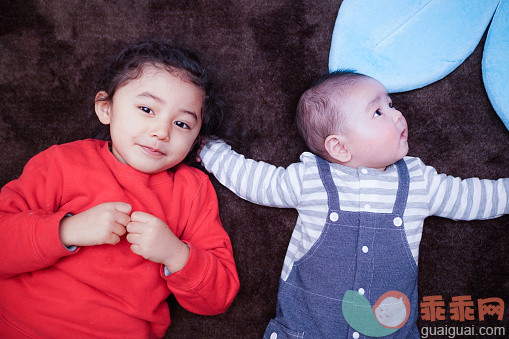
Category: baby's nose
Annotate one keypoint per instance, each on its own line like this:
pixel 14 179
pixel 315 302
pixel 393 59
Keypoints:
pixel 397 116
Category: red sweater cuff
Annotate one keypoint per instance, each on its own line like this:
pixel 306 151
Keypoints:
pixel 46 237
pixel 193 273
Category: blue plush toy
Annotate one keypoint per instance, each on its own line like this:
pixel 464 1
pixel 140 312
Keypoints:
pixel 410 44
pixel 495 62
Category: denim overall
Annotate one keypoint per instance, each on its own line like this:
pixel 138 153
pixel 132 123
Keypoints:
pixel 359 251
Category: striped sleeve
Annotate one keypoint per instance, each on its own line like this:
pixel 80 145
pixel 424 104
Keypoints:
pixel 466 199
pixel 255 181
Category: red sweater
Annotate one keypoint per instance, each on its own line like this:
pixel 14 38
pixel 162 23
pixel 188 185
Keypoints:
pixel 105 291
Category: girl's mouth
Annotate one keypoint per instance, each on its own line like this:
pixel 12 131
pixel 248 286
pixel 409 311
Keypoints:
pixel 152 151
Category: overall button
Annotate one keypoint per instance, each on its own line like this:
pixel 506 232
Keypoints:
pixel 397 221
pixel 273 335
pixel 361 291
pixel 355 335
pixel 365 249
pixel 334 216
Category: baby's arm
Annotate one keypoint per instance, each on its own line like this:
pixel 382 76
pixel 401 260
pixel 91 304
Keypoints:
pixel 255 181
pixel 466 199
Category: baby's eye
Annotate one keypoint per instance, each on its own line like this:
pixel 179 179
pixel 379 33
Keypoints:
pixel 146 110
pixel 378 113
pixel 390 105
pixel 182 124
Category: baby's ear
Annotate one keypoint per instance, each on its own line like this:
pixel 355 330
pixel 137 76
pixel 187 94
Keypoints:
pixel 102 107
pixel 337 149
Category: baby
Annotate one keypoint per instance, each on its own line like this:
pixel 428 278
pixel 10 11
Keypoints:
pixel 361 206
pixel 97 234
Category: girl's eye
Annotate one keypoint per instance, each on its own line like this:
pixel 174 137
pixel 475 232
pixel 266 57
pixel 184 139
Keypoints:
pixel 182 124
pixel 378 113
pixel 146 110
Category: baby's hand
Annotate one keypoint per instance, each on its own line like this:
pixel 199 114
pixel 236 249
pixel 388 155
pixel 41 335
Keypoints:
pixel 202 144
pixel 101 224
pixel 152 239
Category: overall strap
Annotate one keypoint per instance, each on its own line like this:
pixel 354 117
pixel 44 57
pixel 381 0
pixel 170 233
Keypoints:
pixel 403 187
pixel 328 183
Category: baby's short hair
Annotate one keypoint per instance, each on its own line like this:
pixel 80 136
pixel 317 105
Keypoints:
pixel 319 112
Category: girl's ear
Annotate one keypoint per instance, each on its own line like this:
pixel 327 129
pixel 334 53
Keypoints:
pixel 337 149
pixel 102 107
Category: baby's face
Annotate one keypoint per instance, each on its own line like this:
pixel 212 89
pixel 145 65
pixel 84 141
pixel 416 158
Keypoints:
pixel 375 132
pixel 154 120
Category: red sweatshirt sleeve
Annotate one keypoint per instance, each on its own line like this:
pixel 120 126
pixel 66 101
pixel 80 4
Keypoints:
pixel 208 283
pixel 29 217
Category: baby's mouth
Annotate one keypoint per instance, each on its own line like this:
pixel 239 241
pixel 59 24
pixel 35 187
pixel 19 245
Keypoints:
pixel 404 134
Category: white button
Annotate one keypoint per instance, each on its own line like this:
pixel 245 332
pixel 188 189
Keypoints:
pixel 365 249
pixel 334 216
pixel 397 221
pixel 364 171
pixel 367 207
pixel 355 335
pixel 273 335
pixel 361 291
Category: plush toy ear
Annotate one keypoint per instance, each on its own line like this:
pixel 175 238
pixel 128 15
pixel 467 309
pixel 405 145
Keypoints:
pixel 495 68
pixel 336 148
pixel 102 107
pixel 407 44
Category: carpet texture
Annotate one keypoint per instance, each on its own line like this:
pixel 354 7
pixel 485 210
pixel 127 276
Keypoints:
pixel 262 54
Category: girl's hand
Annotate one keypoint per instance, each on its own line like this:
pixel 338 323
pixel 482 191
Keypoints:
pixel 101 224
pixel 152 239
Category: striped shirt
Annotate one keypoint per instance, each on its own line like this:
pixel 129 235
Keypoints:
pixel 360 190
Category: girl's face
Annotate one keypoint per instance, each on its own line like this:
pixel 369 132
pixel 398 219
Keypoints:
pixel 154 119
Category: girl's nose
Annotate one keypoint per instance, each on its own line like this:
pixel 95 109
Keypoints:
pixel 161 132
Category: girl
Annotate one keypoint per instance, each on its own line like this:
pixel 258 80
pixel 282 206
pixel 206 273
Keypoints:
pixel 97 234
